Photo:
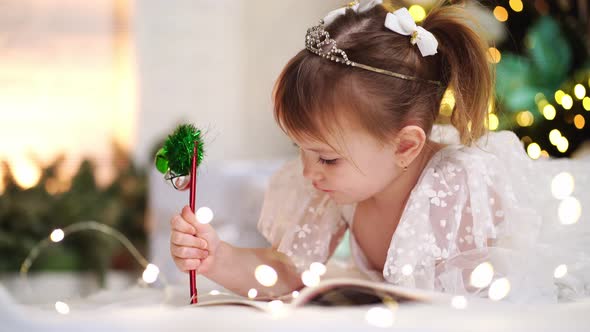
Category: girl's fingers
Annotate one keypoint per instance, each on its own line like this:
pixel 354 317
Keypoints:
pixel 188 264
pixel 187 252
pixel 186 240
pixel 181 225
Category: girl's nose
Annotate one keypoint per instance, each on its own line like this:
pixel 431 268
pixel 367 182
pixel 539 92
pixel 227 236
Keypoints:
pixel 311 170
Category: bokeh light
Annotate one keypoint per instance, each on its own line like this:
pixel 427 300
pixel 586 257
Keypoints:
pixel 579 91
pixel 569 211
pixel 562 185
pixel 560 271
pixel 567 102
pixel 266 275
pixel 379 317
pixel 559 94
pixel 62 308
pixel 482 275
pixel 579 121
pixel 563 144
pixel 494 55
pixel 57 235
pixel 318 268
pixel 534 150
pixel 150 274
pixel 554 136
pixel 525 119
pixel 310 279
pixel 501 13
pixel 252 293
pixel 418 13
pixel 516 5
pixel 549 112
pixel 204 215
pixel 493 121
pixel 459 302
pixel 499 289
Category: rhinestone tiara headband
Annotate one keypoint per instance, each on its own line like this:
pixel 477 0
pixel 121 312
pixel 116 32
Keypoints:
pixel 319 42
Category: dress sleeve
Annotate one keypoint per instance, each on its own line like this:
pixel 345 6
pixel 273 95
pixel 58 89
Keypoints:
pixel 491 227
pixel 298 220
pixel 462 213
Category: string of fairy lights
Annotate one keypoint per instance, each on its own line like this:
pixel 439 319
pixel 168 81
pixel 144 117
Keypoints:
pixel 481 278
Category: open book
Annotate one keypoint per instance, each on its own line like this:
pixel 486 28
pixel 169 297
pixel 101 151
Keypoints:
pixel 334 292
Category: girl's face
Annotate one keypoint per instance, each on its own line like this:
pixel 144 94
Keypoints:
pixel 368 168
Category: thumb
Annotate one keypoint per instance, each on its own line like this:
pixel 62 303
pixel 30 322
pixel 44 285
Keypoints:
pixel 189 216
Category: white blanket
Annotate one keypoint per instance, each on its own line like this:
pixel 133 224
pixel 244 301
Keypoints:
pixel 153 309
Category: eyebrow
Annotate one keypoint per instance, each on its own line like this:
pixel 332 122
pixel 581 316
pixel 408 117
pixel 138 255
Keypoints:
pixel 316 150
pixel 321 151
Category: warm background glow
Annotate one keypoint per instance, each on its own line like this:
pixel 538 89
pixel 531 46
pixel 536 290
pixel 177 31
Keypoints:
pixel 67 83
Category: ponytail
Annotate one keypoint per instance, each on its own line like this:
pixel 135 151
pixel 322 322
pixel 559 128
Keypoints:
pixel 464 67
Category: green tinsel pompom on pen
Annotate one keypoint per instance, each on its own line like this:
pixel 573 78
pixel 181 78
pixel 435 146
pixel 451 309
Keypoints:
pixel 175 157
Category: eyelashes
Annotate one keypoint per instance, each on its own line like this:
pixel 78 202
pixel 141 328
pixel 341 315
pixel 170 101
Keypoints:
pixel 327 161
pixel 320 159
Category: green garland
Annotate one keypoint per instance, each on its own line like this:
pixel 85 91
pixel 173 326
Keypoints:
pixel 176 155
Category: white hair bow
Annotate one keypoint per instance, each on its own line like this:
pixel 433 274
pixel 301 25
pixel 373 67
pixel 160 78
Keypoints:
pixel 401 21
pixel 357 6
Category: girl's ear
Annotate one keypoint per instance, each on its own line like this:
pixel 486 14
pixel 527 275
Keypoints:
pixel 409 142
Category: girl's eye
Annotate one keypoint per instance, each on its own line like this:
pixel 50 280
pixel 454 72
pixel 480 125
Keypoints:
pixel 327 161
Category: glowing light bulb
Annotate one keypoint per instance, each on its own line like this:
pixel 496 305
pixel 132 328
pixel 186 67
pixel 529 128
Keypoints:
pixel 459 302
pixel 62 308
pixel 150 274
pixel 204 215
pixel 560 271
pixel 380 317
pixel 499 289
pixel 482 275
pixel 266 275
pixel 562 185
pixel 57 235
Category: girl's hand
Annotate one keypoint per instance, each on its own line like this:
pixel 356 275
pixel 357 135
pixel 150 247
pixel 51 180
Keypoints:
pixel 192 245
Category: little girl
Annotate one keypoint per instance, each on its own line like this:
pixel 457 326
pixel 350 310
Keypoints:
pixel 425 205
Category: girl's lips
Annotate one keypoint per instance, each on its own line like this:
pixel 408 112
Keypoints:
pixel 324 190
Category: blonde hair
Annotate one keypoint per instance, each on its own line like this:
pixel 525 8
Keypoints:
pixel 311 92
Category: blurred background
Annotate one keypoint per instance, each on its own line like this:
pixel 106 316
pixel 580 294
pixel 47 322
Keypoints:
pixel 90 89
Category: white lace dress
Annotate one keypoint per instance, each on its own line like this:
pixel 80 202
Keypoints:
pixel 471 205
